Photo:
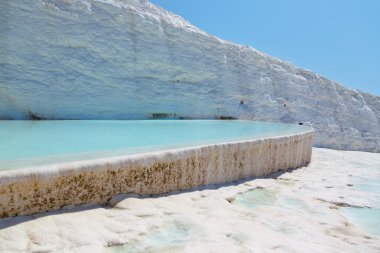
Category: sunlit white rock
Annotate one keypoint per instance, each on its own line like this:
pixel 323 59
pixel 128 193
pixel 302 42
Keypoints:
pixel 112 59
pixel 301 216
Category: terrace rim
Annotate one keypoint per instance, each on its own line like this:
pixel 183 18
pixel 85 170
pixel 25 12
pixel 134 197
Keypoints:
pixel 30 191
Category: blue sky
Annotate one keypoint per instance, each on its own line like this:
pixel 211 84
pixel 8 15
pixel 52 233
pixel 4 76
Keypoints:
pixel 339 39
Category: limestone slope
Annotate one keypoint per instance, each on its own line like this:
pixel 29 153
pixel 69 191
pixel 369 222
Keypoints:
pixel 113 59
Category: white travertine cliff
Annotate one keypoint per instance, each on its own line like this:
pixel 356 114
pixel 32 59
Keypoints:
pixel 113 59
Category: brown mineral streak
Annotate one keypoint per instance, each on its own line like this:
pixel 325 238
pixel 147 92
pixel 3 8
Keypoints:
pixel 168 171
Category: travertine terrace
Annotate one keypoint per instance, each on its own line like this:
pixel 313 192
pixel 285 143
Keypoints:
pixel 28 191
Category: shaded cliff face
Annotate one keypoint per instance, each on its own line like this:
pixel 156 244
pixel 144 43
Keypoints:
pixel 111 59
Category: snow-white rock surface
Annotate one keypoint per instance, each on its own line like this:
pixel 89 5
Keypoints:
pixel 299 211
pixel 113 59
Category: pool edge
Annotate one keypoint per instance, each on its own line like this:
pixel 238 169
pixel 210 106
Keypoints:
pixel 25 192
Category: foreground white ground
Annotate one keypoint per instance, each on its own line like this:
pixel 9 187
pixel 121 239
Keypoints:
pixel 319 208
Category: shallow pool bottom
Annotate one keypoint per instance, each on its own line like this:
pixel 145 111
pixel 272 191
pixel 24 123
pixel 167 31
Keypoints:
pixel 25 192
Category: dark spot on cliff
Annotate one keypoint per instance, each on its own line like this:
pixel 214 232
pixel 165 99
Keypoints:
pixel 350 185
pixel 6 118
pixel 162 115
pixel 33 116
pixel 226 118
pixel 242 102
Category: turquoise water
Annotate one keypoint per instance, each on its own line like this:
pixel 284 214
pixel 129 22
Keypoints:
pixel 255 198
pixel 32 143
pixel 170 238
pixel 368 219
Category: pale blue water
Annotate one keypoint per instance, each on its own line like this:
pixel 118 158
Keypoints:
pixel 32 143
pixel 255 198
pixel 367 219
pixel 170 238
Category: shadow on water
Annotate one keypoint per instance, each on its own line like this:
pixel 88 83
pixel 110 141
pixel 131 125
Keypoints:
pixel 13 221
